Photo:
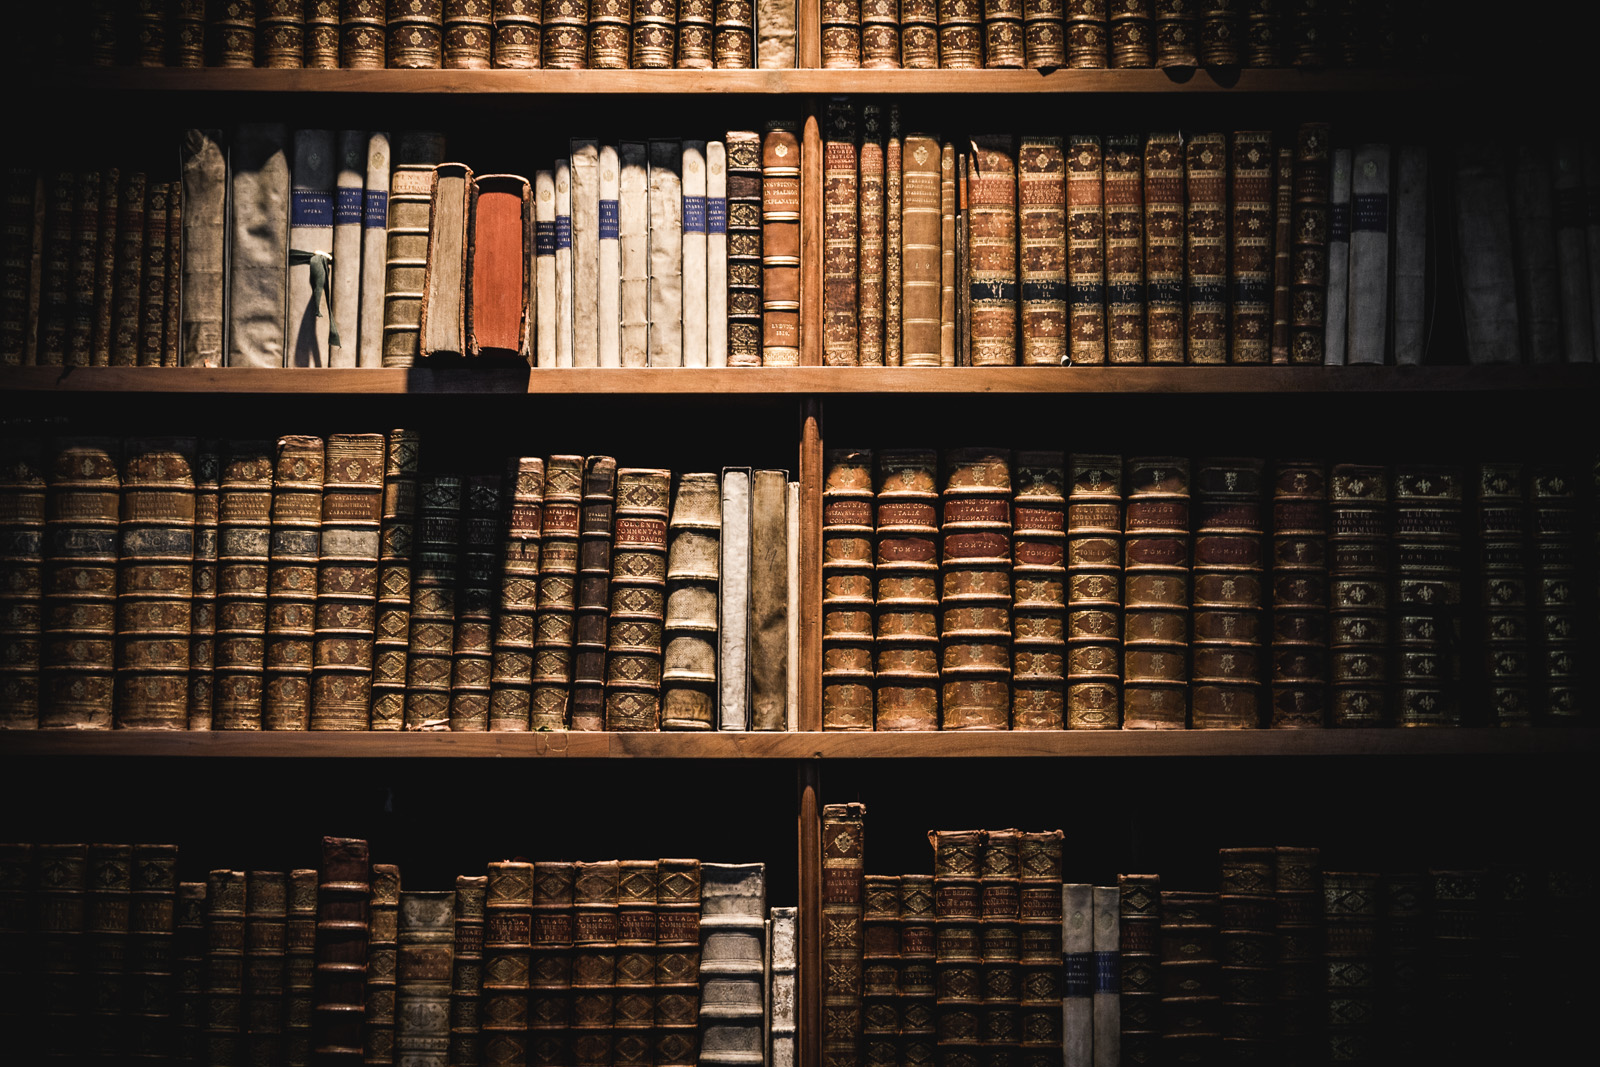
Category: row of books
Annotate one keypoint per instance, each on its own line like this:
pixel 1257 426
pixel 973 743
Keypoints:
pixel 428 34
pixel 364 582
pixel 671 962
pixel 975 588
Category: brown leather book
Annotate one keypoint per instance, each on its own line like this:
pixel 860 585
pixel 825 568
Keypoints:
pixel 244 533
pixel 466 980
pixel 322 35
pixel 733 45
pixel 916 1003
pixel 396 548
pixel 1297 914
pixel 870 248
pixel 558 594
pixel 498 318
pixel 405 262
pixel 689 659
pixel 517 26
pixel 446 277
pixel 1002 34
pixel 22 536
pixel 508 922
pixel 696 35
pixel 1041 981
pixel 1351 916
pixel 266 916
pixel 880 969
pixel 78 631
pixel 1000 893
pixel 841 34
pixel 1206 238
pixel 1155 660
pixel 477 578
pixel 225 963
pixel 955 267
pixel 907 589
pixel 769 600
pixel 517 602
pixel 81 267
pixel 610 39
pixel 106 940
pixel 55 265
pixel 16 259
pixel 893 235
pixel 1044 40
pixel 468 30
pixel 1556 526
pixel 231 34
pixel 1282 253
pixel 744 248
pixel 203 604
pixel 422 984
pixel 1359 551
pixel 594 580
pixel 415 35
pixel 1042 239
pixel 1188 975
pixel 880 35
pixel 565 44
pixel 1094 591
pixel 1247 949
pixel 152 278
pixel 677 961
pixel 960 34
pixel 594 962
pixel 1086 250
pixel 155 583
pixel 105 268
pixel 637 597
pixel 433 602
pixel 975 593
pixel 1164 256
pixel 1038 585
pixel 780 244
pixel 1229 571
pixel 992 188
pixel 1087 36
pixel 921 253
pixel 1221 36
pixel 1299 696
pixel 1426 617
pixel 347 582
pixel 58 891
pixel 636 963
pixel 847 596
pixel 189 969
pixel 1308 277
pixel 549 1010
pixel 1123 160
pixel 281 33
pixel 843 844
pixel 919 34
pixel 362 35
pixel 958 966
pixel 1250 247
pixel 300 967
pixel 297 483
pixel 1176 34
pixel 383 966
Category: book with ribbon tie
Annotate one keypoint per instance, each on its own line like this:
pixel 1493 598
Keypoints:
pixel 309 319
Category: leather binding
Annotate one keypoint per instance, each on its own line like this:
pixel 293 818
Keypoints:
pixel 231 34
pixel 1340 292
pixel 843 840
pixel 16 263
pixel 1105 993
pixel 992 180
pixel 919 34
pixel 362 33
pixel 300 966
pixel 78 630
pixel 666 254
pixel 733 42
pixel 1123 160
pixel 1307 30
pixel 1044 34
pixel 1221 33
pixel 1427 610
pixel 342 890
pixel 955 172
pixel 1503 565
pixel 1001 944
pixel 477 588
pixel 149 27
pixel 225 962
pixel 870 258
pixel 1370 272
pixel 696 35
pixel 637 600
pixel 1309 271
pixel 1460 904
pixel 281 30
pixel 344 286
pixel 58 890
pixel 558 590
pixel 422 991
pixel 633 241
pixel 1087 34
pixel 1557 571
pixel 508 925
pixel 677 962
pixel 1155 691
pixel 609 35
pixel 383 949
pixel 609 310
pixel 1176 34
pixel 347 582
pixel 1351 909
pixel 745 267
pixel 975 573
pixel 56 282
pixel 549 973
pixel 128 260
pixel 517 599
pixel 1484 237
pixel 1164 252
pixel 907 590
pixel 1358 594
pixel 693 255
pixel 1206 226
pixel 311 228
pixel 1189 977
pixel 106 941
pixel 466 970
pixel 1250 247
pixel 405 262
pixel 636 963
pixel 1247 951
pixel 893 235
pixel 1299 684
pixel 566 34
pixel 415 34
pixel 502 246
pixel 916 1000
pixel 396 546
pixel 258 167
pixel 922 253
pixel 880 968
pixel 880 35
pixel 689 668
pixel 595 898
pixel 594 579
pixel 205 188
pixel 1262 34
pixel 297 484
pixel 155 585
pixel 187 37
pixel 266 914
pixel 1042 235
pixel 22 540
pixel 322 34
pixel 960 34
pixel 585 163
pixel 716 254
pixel 172 312
pixel 517 26
pixel 544 269
pixel 780 244
pixel 152 279
pixel 733 657
pixel 1038 578
pixel 653 35
pixel 841 34
pixel 468 28
pixel 1410 251
pixel 433 602
pixel 1229 572
pixel 847 596
pixel 189 968
pixel 769 600
pixel 244 517
pixel 958 974
pixel 565 303
pixel 1040 1015
pixel 1085 241
pixel 1297 917
pixel 443 322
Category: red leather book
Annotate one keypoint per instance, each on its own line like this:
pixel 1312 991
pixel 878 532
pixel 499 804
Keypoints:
pixel 502 242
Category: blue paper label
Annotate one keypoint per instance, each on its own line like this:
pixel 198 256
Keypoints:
pixel 1076 981
pixel 694 214
pixel 717 214
pixel 1370 213
pixel 347 207
pixel 1339 222
pixel 563 231
pixel 1107 972
pixel 544 238
pixel 608 220
pixel 308 207
pixel 376 209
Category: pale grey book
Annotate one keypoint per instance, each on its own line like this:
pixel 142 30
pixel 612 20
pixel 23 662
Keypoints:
pixel 349 199
pixel 1572 252
pixel 1106 992
pixel 311 182
pixel 783 953
pixel 544 268
pixel 769 600
pixel 689 662
pixel 716 254
pixel 733 906
pixel 1410 251
pixel 585 163
pixel 444 324
pixel 205 228
pixel 609 286
pixel 1483 241
pixel 1368 331
pixel 258 245
pixel 1533 243
pixel 1077 959
pixel 775 34
pixel 666 254
pixel 1338 304
pixel 564 303
pixel 425 959
pixel 792 717
pixel 733 620
pixel 633 239
pixel 374 221
pixel 694 254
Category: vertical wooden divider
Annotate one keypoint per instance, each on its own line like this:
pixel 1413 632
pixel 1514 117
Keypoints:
pixel 811 237
pixel 808 775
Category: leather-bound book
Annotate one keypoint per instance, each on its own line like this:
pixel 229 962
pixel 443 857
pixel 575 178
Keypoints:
pixel 152 279
pixel 396 548
pixel 231 34
pixel 128 260
pixel 665 345
pixel 893 234
pixel 1358 595
pixel 422 990
pixel 281 33
pixel 322 35
pixel 1188 976
pixel 1557 574
pixel 104 270
pixel 189 969
pixel 1282 253
pixel 1039 585
pixel 1339 291
pixel 636 963
pixel 733 656
pixel 149 26
pixel 1000 939
pixel 1221 33
pixel 347 582
pixel 1247 950
pixel 780 245
pixel 1299 682
pixel 1177 34
pixel 22 540
pixel 405 262
pixel 769 600
pixel 880 34
pixel 508 923
pixel 696 35
pixel 1085 238
pixel 689 666
pixel 1262 34
pixel 558 593
pixel 1045 265
pixel 918 1015
pixel 843 842
pixel 1002 34
pixel 1458 901
pixel 1155 691
pixel 205 190
pixel 1044 39
pixel 549 974
pixel 468 28
pixel 16 260
pixel 362 34
pixel 733 35
pixel 266 916
pixel 186 36
pixel 297 484
pixel 443 321
pixel 1164 252
pixel 415 35
pixel 907 590
pixel 609 36
pixel 694 250
pixel 595 901
pixel 477 579
pixel 300 967
pixel 55 267
pixel 1088 37
pixel 433 602
pixel 106 942
pixel 880 968
pixel 1577 334
pixel 565 43
pixel 1229 573
pixel 244 533
pixel 225 964
pixel 975 573
pixel 141 898
pixel 1041 926
pixel 1105 992
pixel 1123 166
pixel 259 201
pixel 498 316
pixel 58 893
pixel 1309 272
pixel 637 600
pixel 992 185
pixel 517 595
pixel 1427 610
pixel 172 312
pixel 958 970
pixel 1534 247
pixel 677 960
pixel 1410 252
pixel 919 34
pixel 78 630
pixel 733 908
pixel 1297 900
pixel 1351 917
pixel 517 25
pixel 870 246
pixel 1206 238
pixel 1370 237
pixel 1250 247
pixel 960 34
pixel 1483 228
pixel 921 252
pixel 594 580
pixel 383 966
pixel 155 583
pixel 841 34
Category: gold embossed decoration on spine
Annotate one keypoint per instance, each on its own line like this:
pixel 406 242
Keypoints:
pixel 1220 32
pixel 468 29
pixel 1040 977
pixel 189 967
pixel 1427 610
pixel 266 916
pixel 975 572
pixel 594 580
pixel 1123 162
pixel 1164 251
pixel 1087 36
pixel 733 35
pixel 1229 572
pixel 415 31
pixel 396 538
pixel 1002 34
pixel 1133 37
pixel 1309 268
pixel 847 677
pixel 1176 32
pixel 516 606
pixel 919 34
pixel 841 34
pixel 1250 247
pixel 127 290
pixel 362 34
pixel 870 257
pixel 508 935
pixel 78 630
pixel 225 956
pixel 152 280
pixel 744 248
pixel 82 265
pixel 611 25
pixel 1206 233
pixel 637 599
pixel 840 263
pixel 918 1013
pixel 300 963
pixel 1086 250
pixel 292 582
pixel 1038 582
pixel 594 962
pixel 1043 34
pixel 893 229
pixel 880 34
pixel 105 267
pixel 55 270
pixel 880 970
pixel 780 244
pixel 960 34
pixel 466 971
pixel 558 593
pixel 636 964
pixel 322 34
pixel 1042 237
pixel 22 541
pixel 1262 31
pixel 1282 253
pixel 433 602
pixel 921 250
pixel 957 894
pixel 422 997
pixel 1297 914
pixel 1190 981
pixel 186 33
pixel 1299 595
pixel 1358 594
pixel 1000 891
pixel 696 35
pixel 476 583
pixel 566 34
pixel 843 850
pixel 907 590
pixel 1139 952
pixel 1155 691
pixel 281 25
pixel 992 189
pixel 655 35
pixel 1094 591
pixel 1350 914
pixel 244 521
pixel 347 582
pixel 549 1011
pixel 517 29
pixel 689 665
pixel 1558 625
pixel 232 34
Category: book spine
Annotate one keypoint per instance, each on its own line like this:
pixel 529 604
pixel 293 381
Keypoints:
pixel 1229 571
pixel 1358 595
pixel 281 31
pixel 783 985
pixel 297 487
pixel 1038 584
pixel 78 631
pixel 696 35
pixel 1123 192
pixel 478 568
pixel 1370 273
pixel 732 963
pixel 1282 254
pixel 689 666
pixel 1001 943
pixel 907 589
pixel 405 262
pixel 55 268
pixel 1086 240
pixel 1413 164
pixel 22 542
pixel 322 35
pixel 916 1001
pixel 880 35
pixel 544 268
pixel 585 166
pixel 1503 565
pixel 1350 916
pixel 1297 914
pixel 61 871
pixel 716 254
pixel 780 245
pixel 1340 293
pixel 609 278
pixel 391 637
pixel 1046 266
pixel 1410 252
pixel 344 292
pixel 1250 247
pixel 1040 1031
pixel 1206 261
pixel 422 982
pixel 565 40
pixel 517 600
pixel 152 278
pixel 107 941
pixel 189 969
pixel 922 253
pixel 1247 949
pixel 416 36
pixel 634 1022
pixel 870 246
pixel 344 884
pixel 596 530
pixel 565 297
pixel 633 236
pixel 508 937
pixel 300 967
pixel 693 254
pixel 243 552
pixel 259 195
pixel 637 600
pixel 1176 35
pixel 468 35
pixel 1309 272
pixel 433 602
pixel 266 903
pixel 558 591
pixel 992 181
pixel 733 659
pixel 745 263
pixel 841 34
pixel 1087 36
pixel 596 890
pixel 893 238
pixel 1164 252
pixel 958 965
pixel 609 44
pixel 1191 984
pixel 1155 691
pixel 225 964
pixel 362 44
pixel 1299 685
pixel 311 236
pixel 1094 551
pixel 769 600
pixel 172 277
pixel 1105 993
pixel 847 621
pixel 499 280
pixel 105 271
pixel 976 596
pixel 1427 611
pixel 1572 257
pixel 445 283
pixel 843 834
pixel 841 228
pixel 1484 238
pixel 347 582
pixel 919 34
pixel 16 261
pixel 1558 624
pixel 880 968
pixel 665 199
pixel 205 185
pixel 677 962
pixel 1077 961
pixel 733 43
pixel 549 972
pixel 383 936
pixel 791 496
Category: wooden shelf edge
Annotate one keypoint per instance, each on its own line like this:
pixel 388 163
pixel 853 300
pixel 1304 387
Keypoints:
pixel 1207 744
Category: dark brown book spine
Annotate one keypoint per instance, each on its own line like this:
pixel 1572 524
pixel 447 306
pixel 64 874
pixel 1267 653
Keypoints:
pixel 507 945
pixel 1000 892
pixel 203 606
pixel 1164 252
pixel 1297 889
pixel 558 594
pixel 1176 34
pixel 843 844
pixel 636 963
pixel 1427 610
pixel 516 608
pixel 1132 34
pixel 62 873
pixel 433 602
pixel 1002 34
pixel 975 594
pixel 565 34
pixel 1282 254
pixel 1086 250
pixel 466 972
pixel 106 941
pixel 78 630
pixel 383 966
pixel 225 967
pixel 1046 267
pixel 292 582
pixel 55 266
pixel 468 29
pixel 780 245
pixel 841 34
pixel 612 34
pixel 243 549
pixel 1351 927
pixel 266 895
pixel 1263 34
pixel 1041 978
pixel 1299 697
pixel 1189 978
pixel 151 928
pixel 1155 660
pixel 231 34
pixel 189 971
pixel 1038 589
pixel 1087 35
pixel 1249 262
pixel 322 35
pixel 22 543
pixel 16 261
pixel 281 26
pixel 1206 238
pixel 1124 248
pixel 347 582
pixel 81 267
pixel 362 35
pixel 391 638
pixel 697 35
pixel 638 600
pixel 907 589
pixel 1094 592
pixel 880 34
pixel 958 967
pixel 893 232
pixel 594 962
pixel 733 45
pixel 1044 39
pixel 1558 615
pixel 677 961
pixel 1308 278
pixel 880 970
pixel 478 568
pixel 1248 950
pixel 415 35
pixel 172 308
pixel 960 34
pixel 550 970
pixel 341 951
pixel 595 532
pixel 153 276
pixel 991 177
pixel 517 26
pixel 1503 570
pixel 919 34
pixel 1358 595
pixel 1229 573
pixel 918 1010
pixel 745 264
pixel 870 247
pixel 300 967
pixel 105 268
pixel 847 599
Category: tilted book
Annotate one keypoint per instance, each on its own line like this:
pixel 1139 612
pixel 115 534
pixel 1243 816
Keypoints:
pixel 1038 589
pixel 1123 165
pixel 841 232
pixel 733 908
pixel 769 600
pixel 391 637
pixel 905 590
pixel 870 248
pixel 1250 247
pixel 666 254
pixel 347 582
pixel 558 594
pixel 297 482
pixel 422 982
pixel 694 321
pixel 733 656
pixel 637 600
pixel 745 265
pixel 258 246
pixel 594 579
pixel 498 280
pixel 780 245
pixel 975 593
pixel 1155 661
pixel 368 312
pixel 477 581
pixel 205 191
pixel 689 695
pixel 405 262
pixel 341 955
pixel 345 289
pixel 1226 649
pixel 992 185
pixel 1085 237
pixel 1094 591
pixel 312 278
pixel 847 593
pixel 444 287
pixel 517 600
pixel 508 938
pixel 1370 232
pixel 78 632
